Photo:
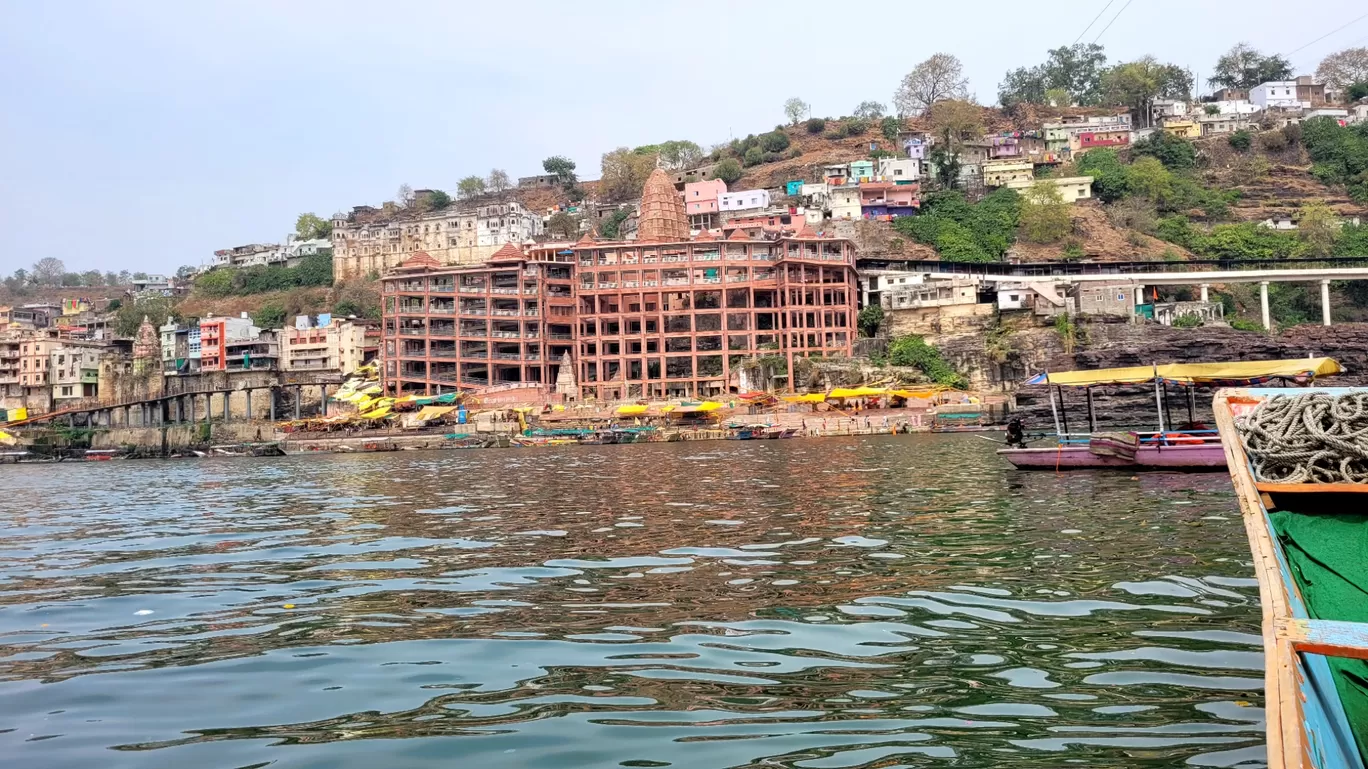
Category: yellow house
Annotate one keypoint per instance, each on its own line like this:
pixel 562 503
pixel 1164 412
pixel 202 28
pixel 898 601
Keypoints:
pixel 1185 129
pixel 999 173
pixel 1071 188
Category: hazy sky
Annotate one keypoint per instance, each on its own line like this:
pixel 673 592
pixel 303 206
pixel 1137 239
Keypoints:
pixel 145 135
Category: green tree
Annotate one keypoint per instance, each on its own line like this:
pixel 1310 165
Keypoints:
pixel 1045 217
pixel 795 109
pixel 1149 179
pixel 128 317
pixel 890 127
pixel 869 320
pixel 438 200
pixel 470 187
pixel 563 225
pixel 1173 151
pixel 562 167
pixel 1319 227
pixel 610 226
pixel 869 110
pixel 679 155
pixel 1110 179
pixel 1074 71
pixel 1138 83
pixel 815 125
pixel 310 226
pixel 754 156
pixel 728 170
pixel 92 278
pixel 314 270
pixel 347 308
pixel 1244 67
pixel 269 316
pixel 774 141
pixel 913 351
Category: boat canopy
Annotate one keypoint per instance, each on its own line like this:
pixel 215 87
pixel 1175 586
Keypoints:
pixel 1232 374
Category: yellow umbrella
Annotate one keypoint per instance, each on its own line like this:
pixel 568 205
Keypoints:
pixel 632 409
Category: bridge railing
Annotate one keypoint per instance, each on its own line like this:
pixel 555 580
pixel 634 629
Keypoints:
pixel 1067 269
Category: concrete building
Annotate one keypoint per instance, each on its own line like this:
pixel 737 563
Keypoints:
pixel 701 202
pixel 370 240
pixel 1115 137
pixel 1216 125
pixel 845 202
pixel 74 372
pixel 901 170
pixel 660 317
pixel 1063 135
pixel 1230 94
pixel 332 345
pixel 880 200
pixel 217 333
pixel 180 348
pixel 1233 107
pixel 1165 313
pixel 1043 299
pixel 1105 300
pixel 933 293
pixel 1184 129
pixel 1071 188
pixel 1165 109
pixel 1276 93
pixel 999 173
pixel 743 200
pixel 861 170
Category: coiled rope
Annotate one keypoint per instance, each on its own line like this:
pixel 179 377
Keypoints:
pixel 1308 438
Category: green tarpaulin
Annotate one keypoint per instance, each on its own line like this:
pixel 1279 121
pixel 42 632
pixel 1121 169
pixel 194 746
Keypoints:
pixel 1328 555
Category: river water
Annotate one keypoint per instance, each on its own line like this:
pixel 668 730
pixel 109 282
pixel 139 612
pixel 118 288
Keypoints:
pixel 839 602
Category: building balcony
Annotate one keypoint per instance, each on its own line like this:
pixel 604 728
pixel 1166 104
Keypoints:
pixel 413 332
pixel 441 310
pixel 445 288
pixel 442 354
pixel 472 289
pixel 502 290
pixel 505 312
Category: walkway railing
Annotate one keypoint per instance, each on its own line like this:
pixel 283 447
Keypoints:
pixel 1067 269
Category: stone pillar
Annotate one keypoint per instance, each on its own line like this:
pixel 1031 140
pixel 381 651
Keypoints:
pixel 227 400
pixel 1325 302
pixel 1205 286
pixel 298 396
pixel 192 407
pixel 1263 304
pixel 249 404
pixel 324 407
pixel 272 399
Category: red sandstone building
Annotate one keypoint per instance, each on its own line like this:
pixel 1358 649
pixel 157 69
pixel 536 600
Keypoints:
pixel 663 316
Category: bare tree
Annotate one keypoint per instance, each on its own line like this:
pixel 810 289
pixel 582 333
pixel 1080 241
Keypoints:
pixel 939 77
pixel 1344 68
pixel 795 109
pixel 48 271
pixel 405 195
pixel 498 181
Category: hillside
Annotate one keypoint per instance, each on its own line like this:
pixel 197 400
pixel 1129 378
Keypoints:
pixel 1273 180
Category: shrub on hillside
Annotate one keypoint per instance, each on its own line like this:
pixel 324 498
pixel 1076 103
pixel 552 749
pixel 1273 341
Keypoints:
pixel 815 125
pixel 1173 151
pixel 1240 140
pixel 776 141
pixel 915 352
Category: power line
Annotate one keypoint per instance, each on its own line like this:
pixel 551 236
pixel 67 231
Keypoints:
pixel 1327 34
pixel 1113 21
pixel 1094 21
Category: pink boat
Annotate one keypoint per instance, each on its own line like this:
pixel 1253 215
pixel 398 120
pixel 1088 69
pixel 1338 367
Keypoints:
pixel 1194 447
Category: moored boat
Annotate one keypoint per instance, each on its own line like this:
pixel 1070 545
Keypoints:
pixel 1191 446
pixel 1299 463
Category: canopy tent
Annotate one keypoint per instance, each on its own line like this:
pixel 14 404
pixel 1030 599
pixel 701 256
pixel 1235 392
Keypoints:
pixel 1232 374
pixel 927 393
pixel 6 439
pixel 841 393
pixel 432 412
pixel 808 398
pixel 694 408
pixel 632 409
pixel 379 413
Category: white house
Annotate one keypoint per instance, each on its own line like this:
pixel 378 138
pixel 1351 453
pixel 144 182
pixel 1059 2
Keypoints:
pixel 1233 107
pixel 1342 115
pixel 1276 93
pixel 743 200
pixel 845 202
pixel 899 169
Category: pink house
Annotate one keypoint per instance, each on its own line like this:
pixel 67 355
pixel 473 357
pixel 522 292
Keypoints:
pixel 700 201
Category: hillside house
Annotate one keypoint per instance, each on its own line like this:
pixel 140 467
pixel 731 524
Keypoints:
pixel 743 200
pixel 1277 93
pixel 899 170
pixel 1071 188
pixel 861 170
pixel 701 202
pixel 845 202
pixel 1217 125
pixel 887 199
pixel 1183 129
pixel 999 173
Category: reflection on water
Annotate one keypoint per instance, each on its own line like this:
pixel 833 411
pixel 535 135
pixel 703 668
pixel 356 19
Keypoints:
pixel 881 601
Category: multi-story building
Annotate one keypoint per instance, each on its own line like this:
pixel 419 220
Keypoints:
pixel 1000 172
pixel 11 393
pixel 335 345
pixel 74 371
pixel 1063 135
pixel 1071 188
pixel 370 240
pixel 1215 125
pixel 260 352
pixel 216 333
pixel 888 199
pixel 1185 129
pixel 701 202
pixel 899 170
pixel 259 254
pixel 665 315
pixel 180 348
pixel 743 200
pixel 1277 93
